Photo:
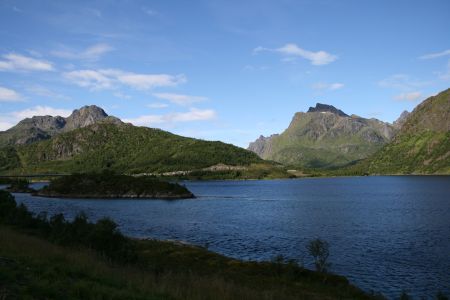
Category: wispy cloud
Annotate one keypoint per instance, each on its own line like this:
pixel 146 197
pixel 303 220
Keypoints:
pixel 17 62
pixel 327 86
pixel 436 55
pixel 92 79
pixel 42 91
pixel 179 99
pixel 110 78
pixel 402 82
pixel 40 111
pixel 291 51
pixel 8 120
pixel 9 95
pixel 122 95
pixel 411 96
pixel 148 81
pixel 157 105
pixel 150 12
pixel 93 52
pixel 193 114
pixel 445 75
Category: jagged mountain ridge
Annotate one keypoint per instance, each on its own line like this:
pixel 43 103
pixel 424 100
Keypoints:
pixel 401 119
pixel 324 137
pixel 39 128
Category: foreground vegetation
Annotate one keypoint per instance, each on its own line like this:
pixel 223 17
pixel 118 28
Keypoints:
pixel 110 185
pixel 55 258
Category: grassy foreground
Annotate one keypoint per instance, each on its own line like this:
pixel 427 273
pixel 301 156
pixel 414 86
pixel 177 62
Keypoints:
pixel 58 259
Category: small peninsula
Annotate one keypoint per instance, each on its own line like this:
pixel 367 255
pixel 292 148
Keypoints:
pixel 20 186
pixel 110 185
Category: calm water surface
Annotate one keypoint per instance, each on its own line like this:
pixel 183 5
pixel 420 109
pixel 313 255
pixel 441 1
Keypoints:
pixel 387 234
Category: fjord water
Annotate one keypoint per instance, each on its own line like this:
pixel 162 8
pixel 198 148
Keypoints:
pixel 386 234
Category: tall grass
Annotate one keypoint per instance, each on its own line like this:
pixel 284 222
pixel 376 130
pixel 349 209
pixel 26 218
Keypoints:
pixel 57 259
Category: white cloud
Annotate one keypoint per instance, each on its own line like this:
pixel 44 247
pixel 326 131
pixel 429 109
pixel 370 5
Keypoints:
pixel 17 62
pixel 402 82
pixel 91 53
pixel 110 78
pixel 193 114
pixel 157 105
pixel 292 50
pixel 40 111
pixel 436 55
pixel 412 96
pixel 149 81
pixel 90 79
pixel 327 86
pixel 45 92
pixel 8 95
pixel 179 98
pixel 8 120
pixel 5 125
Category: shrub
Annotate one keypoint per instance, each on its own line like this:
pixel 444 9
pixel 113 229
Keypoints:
pixel 319 250
pixel 103 236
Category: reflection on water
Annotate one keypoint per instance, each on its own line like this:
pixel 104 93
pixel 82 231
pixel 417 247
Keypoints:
pixel 387 234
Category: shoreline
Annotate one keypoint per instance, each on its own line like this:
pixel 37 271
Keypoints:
pixel 314 177
pixel 112 197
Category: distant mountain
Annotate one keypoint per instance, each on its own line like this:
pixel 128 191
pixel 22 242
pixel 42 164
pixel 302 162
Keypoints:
pixel 122 148
pixel 422 146
pixel 324 137
pixel 327 108
pixel 39 128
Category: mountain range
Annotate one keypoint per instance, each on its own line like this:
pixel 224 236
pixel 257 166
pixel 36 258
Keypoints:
pixel 90 140
pixel 324 137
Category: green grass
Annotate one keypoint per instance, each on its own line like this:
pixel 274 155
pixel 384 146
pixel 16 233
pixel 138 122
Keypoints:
pixel 32 268
pixel 55 259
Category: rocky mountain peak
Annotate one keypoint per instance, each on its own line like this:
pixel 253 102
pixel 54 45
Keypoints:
pixel 324 137
pixel 401 120
pixel 39 128
pixel 46 123
pixel 85 116
pixel 327 108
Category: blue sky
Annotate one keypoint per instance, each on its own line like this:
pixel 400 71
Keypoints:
pixel 220 70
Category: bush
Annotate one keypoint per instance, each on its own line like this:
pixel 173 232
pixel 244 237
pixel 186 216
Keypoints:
pixel 319 250
pixel 103 236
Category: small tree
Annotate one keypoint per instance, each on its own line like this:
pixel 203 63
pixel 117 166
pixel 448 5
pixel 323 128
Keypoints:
pixel 405 296
pixel 319 250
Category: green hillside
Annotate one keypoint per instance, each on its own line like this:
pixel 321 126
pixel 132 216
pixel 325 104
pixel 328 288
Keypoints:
pixel 120 148
pixel 423 144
